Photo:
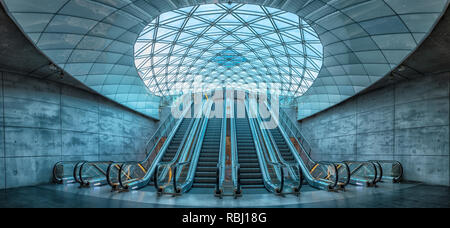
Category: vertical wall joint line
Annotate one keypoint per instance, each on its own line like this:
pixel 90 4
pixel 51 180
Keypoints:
pixel 4 123
pixel 356 126
pixel 394 140
pixel 60 120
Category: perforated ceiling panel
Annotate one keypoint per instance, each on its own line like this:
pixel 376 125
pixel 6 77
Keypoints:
pixel 93 40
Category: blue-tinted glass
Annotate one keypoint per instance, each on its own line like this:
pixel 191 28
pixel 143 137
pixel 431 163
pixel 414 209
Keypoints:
pixel 222 45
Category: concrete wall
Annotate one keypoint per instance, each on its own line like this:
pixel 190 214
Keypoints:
pixel 408 122
pixel 43 122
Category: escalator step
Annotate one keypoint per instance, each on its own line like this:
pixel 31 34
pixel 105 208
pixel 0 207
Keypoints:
pixel 253 186
pixel 248 156
pixel 205 174
pixel 208 180
pixel 250 170
pixel 252 182
pixel 198 185
pixel 251 165
pixel 251 175
pixel 208 154
pixel 206 159
pixel 242 160
pixel 207 164
pixel 206 169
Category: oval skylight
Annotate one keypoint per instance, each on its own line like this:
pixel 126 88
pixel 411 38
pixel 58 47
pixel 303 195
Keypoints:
pixel 237 46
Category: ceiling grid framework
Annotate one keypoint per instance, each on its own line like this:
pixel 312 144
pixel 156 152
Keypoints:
pixel 93 40
pixel 238 46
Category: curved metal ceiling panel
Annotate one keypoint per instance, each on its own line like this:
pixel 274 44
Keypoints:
pixel 93 40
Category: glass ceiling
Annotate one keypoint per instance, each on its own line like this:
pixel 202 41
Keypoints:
pixel 236 46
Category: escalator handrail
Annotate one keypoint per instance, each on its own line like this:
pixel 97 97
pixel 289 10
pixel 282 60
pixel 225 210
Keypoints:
pixel 193 157
pixel 164 127
pixel 54 176
pixel 182 144
pixel 92 164
pixel 172 163
pixel 306 172
pixel 168 119
pixel 76 171
pixel 291 127
pixel 400 176
pixel 301 144
pixel 305 141
pixel 380 169
pixel 374 179
pixel 332 164
pixel 173 131
pixel 261 151
pixel 189 142
pixel 145 180
pixel 108 171
pixel 184 148
pixel 267 135
pixel 235 172
pixel 276 154
pixel 347 168
pixel 221 166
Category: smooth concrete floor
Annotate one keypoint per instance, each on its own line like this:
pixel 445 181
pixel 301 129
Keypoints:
pixel 384 196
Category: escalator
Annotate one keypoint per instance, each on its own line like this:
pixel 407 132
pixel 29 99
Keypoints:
pixel 206 173
pixel 176 141
pixel 282 145
pixel 176 176
pixel 168 141
pixel 321 175
pixel 250 171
